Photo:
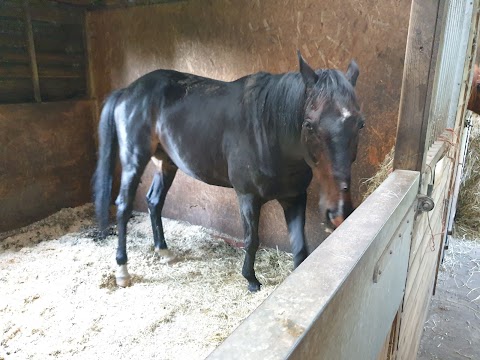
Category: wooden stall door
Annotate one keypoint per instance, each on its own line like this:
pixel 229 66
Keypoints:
pixel 438 60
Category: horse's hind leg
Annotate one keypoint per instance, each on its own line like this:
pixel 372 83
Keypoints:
pixel 162 181
pixel 250 207
pixel 132 169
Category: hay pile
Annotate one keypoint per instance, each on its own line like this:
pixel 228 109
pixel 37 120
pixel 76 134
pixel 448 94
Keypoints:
pixel 59 298
pixel 467 219
pixel 385 169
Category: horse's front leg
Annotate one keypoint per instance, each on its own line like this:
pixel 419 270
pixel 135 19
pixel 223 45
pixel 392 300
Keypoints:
pixel 250 211
pixel 294 210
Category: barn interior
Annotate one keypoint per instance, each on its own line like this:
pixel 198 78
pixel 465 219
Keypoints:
pixel 60 59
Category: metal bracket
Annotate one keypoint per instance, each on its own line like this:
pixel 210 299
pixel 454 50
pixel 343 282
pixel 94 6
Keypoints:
pixel 425 203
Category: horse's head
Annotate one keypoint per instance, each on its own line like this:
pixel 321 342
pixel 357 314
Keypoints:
pixel 329 135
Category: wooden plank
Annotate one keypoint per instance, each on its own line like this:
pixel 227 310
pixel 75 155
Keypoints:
pixel 416 314
pixel 307 325
pixel 422 224
pixel 420 59
pixel 422 266
pixel 411 334
pixel 395 335
pixel 15 71
pixel 424 238
pixel 415 280
pixel 59 58
pixel 391 342
pixel 63 39
pixel 12 26
pixel 43 59
pixel 67 72
pixel 14 57
pixel 16 91
pixel 55 13
pixel 10 9
pixel 420 279
pixel 16 40
pixel 62 89
pixel 418 290
pixel 31 52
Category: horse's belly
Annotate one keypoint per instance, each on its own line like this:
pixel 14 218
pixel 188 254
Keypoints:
pixel 201 169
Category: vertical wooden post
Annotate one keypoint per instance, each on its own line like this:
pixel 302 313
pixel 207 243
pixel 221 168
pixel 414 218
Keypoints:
pixel 418 75
pixel 31 52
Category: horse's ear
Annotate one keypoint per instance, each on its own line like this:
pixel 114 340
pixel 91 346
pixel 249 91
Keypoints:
pixel 308 74
pixel 352 72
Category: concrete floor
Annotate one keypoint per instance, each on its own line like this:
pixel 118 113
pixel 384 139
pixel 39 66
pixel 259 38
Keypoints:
pixel 452 329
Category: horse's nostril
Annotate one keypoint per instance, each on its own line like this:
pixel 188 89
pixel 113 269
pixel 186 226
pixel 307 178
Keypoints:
pixel 333 219
pixel 344 186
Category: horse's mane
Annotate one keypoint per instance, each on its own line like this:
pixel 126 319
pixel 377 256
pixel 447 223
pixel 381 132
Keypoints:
pixel 278 101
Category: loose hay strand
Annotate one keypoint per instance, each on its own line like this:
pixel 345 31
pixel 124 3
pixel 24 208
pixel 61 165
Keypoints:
pixel 385 169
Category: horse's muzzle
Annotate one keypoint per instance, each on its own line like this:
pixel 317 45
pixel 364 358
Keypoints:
pixel 333 220
pixel 336 217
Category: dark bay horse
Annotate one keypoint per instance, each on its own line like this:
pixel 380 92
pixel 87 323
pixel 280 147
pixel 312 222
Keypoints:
pixel 264 135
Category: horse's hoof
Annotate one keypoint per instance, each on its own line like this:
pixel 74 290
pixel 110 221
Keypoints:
pixel 165 256
pixel 254 287
pixel 122 277
pixel 123 281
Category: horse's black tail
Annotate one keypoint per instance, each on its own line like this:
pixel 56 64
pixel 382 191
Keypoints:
pixel 107 155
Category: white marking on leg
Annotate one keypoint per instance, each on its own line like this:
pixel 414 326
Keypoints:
pixel 122 276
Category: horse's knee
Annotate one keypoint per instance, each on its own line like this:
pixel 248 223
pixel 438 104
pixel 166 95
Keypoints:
pixel 124 211
pixel 153 203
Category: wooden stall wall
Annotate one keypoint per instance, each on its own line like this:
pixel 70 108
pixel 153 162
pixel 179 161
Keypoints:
pixel 228 39
pixel 47 159
pixel 47 151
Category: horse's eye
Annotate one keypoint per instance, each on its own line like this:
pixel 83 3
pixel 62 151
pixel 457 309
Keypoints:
pixel 308 125
pixel 361 124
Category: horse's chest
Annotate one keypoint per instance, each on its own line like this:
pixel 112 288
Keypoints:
pixel 281 182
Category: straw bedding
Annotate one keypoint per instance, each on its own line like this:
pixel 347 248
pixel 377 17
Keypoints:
pixel 59 299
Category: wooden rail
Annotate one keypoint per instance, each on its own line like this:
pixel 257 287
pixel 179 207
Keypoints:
pixel 341 302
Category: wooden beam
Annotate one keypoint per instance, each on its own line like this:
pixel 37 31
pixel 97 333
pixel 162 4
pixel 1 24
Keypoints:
pixel 31 52
pixel 418 74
